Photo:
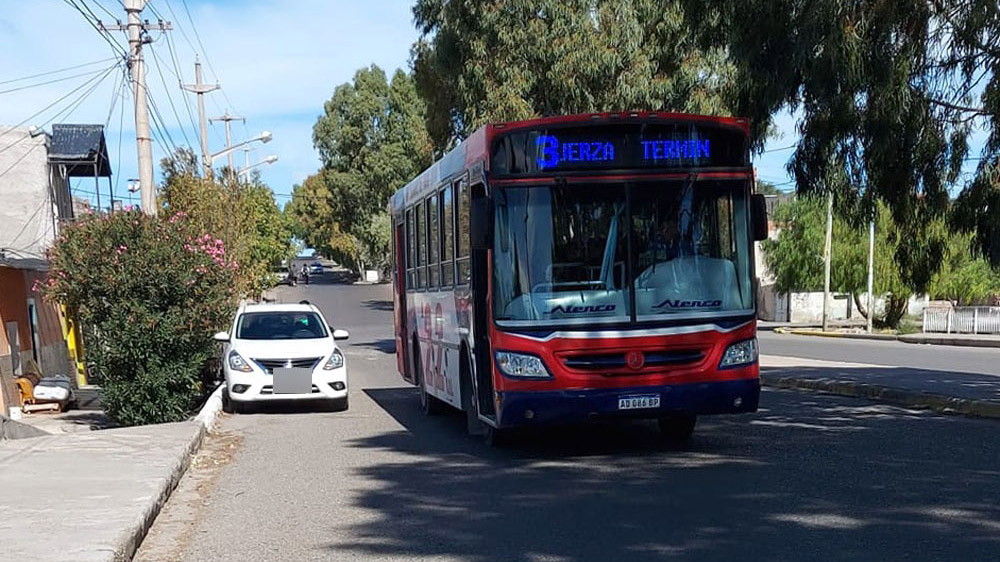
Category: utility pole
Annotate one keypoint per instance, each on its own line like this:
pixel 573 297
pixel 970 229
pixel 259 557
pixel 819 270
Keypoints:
pixel 137 36
pixel 826 261
pixel 226 118
pixel 201 89
pixel 871 273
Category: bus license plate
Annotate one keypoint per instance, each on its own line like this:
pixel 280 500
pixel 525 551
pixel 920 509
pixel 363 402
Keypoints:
pixel 639 402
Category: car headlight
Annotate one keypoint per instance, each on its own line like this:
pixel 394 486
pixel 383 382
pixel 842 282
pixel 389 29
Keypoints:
pixel 335 361
pixel 238 363
pixel 739 354
pixel 521 365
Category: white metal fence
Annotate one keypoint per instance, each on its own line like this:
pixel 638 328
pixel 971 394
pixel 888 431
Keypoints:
pixel 963 320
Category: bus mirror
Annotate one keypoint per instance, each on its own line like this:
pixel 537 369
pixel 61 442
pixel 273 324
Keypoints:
pixel 758 214
pixel 481 223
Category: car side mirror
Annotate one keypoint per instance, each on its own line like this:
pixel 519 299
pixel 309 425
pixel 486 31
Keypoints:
pixel 481 223
pixel 221 337
pixel 341 335
pixel 758 216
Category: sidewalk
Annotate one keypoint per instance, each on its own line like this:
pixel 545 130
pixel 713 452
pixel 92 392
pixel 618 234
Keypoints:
pixel 966 340
pixel 944 392
pixel 91 496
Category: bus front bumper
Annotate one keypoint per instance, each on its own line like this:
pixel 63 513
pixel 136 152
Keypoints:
pixel 571 406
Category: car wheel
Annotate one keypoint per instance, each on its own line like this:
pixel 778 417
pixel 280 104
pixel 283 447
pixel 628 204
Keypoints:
pixel 341 404
pixel 677 429
pixel 227 403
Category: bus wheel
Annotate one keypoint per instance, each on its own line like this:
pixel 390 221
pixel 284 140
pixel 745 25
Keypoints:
pixel 498 438
pixel 431 406
pixel 472 423
pixel 677 428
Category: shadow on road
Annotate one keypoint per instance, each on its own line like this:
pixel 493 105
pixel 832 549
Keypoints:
pixel 961 385
pixel 825 479
pixel 383 345
pixel 383 305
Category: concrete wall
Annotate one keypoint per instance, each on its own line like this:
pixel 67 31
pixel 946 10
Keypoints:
pixel 28 210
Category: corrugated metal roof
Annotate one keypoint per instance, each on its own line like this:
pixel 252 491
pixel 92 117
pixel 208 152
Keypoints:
pixel 79 148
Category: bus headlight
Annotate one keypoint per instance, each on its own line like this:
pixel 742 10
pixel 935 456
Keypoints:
pixel 739 354
pixel 521 365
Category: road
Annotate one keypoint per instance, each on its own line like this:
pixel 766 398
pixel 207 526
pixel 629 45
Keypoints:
pixel 809 477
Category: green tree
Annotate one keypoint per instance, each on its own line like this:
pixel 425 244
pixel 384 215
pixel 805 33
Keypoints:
pixel 964 279
pixel 149 292
pixel 480 62
pixel 795 258
pixel 372 140
pixel 243 214
pixel 887 91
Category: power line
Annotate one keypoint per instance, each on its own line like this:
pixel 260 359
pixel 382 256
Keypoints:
pixel 98 78
pixel 124 92
pixel 67 69
pixel 102 32
pixel 47 82
pixel 180 80
pixel 170 99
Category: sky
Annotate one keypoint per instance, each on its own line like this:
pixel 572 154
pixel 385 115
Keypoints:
pixel 277 62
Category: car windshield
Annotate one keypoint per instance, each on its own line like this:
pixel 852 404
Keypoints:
pixel 605 253
pixel 280 326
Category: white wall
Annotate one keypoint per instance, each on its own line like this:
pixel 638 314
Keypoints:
pixel 27 211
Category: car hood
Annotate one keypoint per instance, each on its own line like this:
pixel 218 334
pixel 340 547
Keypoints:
pixel 284 349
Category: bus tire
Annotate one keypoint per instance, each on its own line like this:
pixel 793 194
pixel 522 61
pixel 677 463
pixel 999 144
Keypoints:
pixel 496 437
pixel 469 405
pixel 430 405
pixel 677 429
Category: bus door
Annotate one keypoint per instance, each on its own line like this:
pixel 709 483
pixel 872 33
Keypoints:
pixel 480 293
pixel 399 290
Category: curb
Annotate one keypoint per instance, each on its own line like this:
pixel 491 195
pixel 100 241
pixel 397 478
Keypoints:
pixel 944 340
pixel 894 396
pixel 132 539
pixel 844 335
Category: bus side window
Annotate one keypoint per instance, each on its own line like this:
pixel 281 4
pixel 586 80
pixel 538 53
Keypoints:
pixel 433 242
pixel 447 238
pixel 421 247
pixel 411 252
pixel 463 203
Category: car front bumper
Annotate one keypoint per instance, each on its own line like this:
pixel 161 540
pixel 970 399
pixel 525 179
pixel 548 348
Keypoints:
pixel 260 386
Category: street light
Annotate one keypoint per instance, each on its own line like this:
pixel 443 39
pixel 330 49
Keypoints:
pixel 264 137
pixel 246 169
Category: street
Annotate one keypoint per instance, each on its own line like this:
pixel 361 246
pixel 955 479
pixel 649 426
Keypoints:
pixel 808 477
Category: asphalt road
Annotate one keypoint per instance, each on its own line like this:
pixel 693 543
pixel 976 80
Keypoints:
pixel 890 353
pixel 809 477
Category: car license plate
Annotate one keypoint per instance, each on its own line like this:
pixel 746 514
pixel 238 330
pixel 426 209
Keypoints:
pixel 638 402
pixel 292 380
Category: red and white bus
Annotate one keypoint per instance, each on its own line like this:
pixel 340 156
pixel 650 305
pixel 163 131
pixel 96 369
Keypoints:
pixel 578 267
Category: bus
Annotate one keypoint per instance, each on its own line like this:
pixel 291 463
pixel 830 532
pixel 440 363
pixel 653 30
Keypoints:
pixel 580 267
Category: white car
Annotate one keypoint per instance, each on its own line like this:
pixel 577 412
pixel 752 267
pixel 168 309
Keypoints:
pixel 282 352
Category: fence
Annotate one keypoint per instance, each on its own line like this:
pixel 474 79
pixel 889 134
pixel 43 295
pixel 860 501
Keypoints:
pixel 963 320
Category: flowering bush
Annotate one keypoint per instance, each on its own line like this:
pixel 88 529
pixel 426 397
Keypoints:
pixel 149 292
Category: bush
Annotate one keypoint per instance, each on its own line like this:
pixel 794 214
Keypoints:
pixel 149 292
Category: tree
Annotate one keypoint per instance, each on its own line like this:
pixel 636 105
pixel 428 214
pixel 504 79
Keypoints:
pixel 242 214
pixel 372 140
pixel 887 91
pixel 149 292
pixel 963 279
pixel 480 62
pixel 796 256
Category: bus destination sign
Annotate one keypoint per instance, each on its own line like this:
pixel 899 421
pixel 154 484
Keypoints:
pixel 618 146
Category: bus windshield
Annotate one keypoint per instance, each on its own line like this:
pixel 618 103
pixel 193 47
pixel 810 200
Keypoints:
pixel 614 253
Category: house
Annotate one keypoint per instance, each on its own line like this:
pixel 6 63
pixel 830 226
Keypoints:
pixel 35 203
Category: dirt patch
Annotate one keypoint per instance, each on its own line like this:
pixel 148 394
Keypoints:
pixel 168 539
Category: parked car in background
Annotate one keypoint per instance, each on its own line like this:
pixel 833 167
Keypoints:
pixel 316 268
pixel 282 352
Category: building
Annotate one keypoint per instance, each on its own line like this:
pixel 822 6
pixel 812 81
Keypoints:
pixel 35 203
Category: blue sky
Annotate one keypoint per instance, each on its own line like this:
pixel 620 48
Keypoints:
pixel 277 61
